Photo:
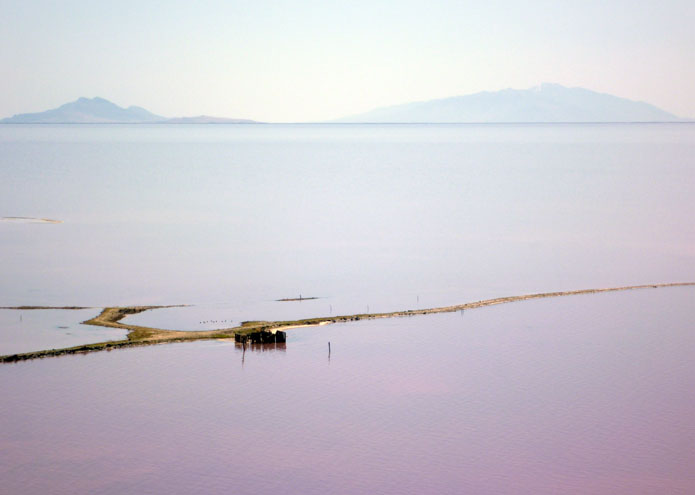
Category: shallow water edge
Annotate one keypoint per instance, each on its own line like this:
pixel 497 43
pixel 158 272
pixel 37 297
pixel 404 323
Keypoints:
pixel 139 336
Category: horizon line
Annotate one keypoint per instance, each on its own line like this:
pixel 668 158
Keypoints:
pixel 257 122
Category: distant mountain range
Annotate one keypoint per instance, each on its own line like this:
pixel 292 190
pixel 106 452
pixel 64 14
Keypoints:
pixel 544 103
pixel 101 111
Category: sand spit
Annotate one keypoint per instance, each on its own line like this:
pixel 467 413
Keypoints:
pixel 29 220
pixel 138 335
pixel 29 308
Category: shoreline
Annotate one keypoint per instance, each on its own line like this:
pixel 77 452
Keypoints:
pixel 29 220
pixel 141 336
pixel 30 308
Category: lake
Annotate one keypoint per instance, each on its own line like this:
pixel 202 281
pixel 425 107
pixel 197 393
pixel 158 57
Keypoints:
pixel 387 216
pixel 585 394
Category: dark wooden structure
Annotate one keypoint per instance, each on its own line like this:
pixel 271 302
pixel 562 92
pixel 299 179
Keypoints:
pixel 261 337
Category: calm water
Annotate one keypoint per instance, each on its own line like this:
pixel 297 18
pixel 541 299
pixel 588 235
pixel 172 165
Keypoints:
pixel 360 215
pixel 25 331
pixel 587 394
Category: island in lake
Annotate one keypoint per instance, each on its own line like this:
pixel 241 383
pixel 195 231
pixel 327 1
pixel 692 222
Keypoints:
pixel 101 111
pixel 545 103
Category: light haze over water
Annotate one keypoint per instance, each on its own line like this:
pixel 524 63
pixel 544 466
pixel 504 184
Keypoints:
pixel 581 394
pixel 380 216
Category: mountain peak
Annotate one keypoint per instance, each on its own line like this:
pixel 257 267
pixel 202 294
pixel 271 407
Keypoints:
pixel 99 110
pixel 87 110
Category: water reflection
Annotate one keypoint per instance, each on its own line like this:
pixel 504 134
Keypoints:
pixel 586 394
pixel 272 347
pixel 259 348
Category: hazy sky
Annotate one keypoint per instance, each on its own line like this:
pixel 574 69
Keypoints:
pixel 310 60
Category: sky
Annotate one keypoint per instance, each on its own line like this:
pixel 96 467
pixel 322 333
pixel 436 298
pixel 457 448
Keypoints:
pixel 305 60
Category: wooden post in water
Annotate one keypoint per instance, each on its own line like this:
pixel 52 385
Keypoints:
pixel 329 350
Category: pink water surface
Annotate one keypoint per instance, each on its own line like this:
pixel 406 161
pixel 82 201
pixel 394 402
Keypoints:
pixel 584 394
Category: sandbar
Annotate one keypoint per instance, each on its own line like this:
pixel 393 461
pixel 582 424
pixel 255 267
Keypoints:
pixel 140 336
pixel 29 220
